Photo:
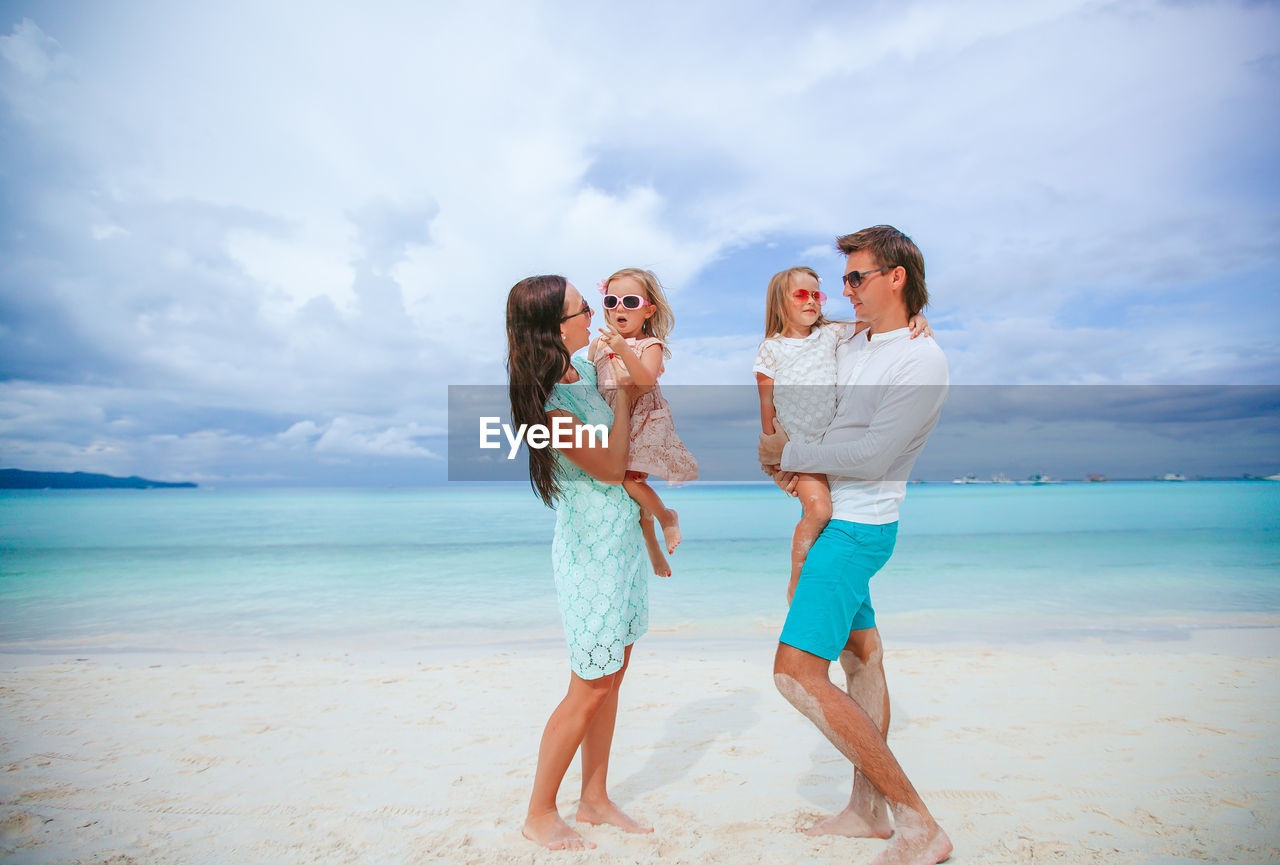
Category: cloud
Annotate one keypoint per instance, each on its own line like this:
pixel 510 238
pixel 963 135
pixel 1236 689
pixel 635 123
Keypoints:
pixel 367 436
pixel 33 54
pixel 260 217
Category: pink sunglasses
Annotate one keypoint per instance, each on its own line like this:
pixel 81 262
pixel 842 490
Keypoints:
pixel 627 301
pixel 803 294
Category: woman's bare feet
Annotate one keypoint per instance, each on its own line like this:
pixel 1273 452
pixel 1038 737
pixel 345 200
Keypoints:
pixel 552 832
pixel 607 812
pixel 670 529
pixel 852 824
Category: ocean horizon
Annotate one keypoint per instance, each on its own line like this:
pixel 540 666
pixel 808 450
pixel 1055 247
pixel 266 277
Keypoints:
pixel 254 569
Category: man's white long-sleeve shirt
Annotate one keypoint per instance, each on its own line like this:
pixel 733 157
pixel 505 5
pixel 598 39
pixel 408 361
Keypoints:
pixel 890 397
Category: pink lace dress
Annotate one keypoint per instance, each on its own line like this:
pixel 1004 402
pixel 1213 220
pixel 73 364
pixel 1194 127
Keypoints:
pixel 655 447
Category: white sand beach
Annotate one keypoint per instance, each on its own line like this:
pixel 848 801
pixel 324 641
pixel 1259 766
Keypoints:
pixel 1067 753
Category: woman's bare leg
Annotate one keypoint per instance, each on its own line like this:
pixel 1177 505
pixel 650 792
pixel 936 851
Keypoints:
pixel 643 495
pixel 815 499
pixel 595 805
pixel 560 740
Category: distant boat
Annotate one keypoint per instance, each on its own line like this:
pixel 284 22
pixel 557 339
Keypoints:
pixel 967 479
pixel 1170 476
pixel 1272 478
pixel 1001 478
pixel 1042 479
pixel 1096 479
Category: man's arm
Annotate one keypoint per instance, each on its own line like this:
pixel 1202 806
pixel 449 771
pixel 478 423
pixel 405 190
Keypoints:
pixel 909 406
pixel 904 412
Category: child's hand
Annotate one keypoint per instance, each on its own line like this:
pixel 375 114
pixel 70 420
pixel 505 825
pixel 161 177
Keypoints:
pixel 919 326
pixel 610 337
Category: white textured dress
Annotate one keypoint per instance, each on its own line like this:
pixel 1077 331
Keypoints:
pixel 803 370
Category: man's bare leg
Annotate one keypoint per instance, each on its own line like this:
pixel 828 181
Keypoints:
pixel 803 679
pixel 560 740
pixel 595 806
pixel 866 815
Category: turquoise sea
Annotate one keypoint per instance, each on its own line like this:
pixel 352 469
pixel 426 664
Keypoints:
pixel 238 570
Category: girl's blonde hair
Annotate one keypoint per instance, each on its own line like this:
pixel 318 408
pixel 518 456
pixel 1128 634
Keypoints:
pixel 660 323
pixel 775 304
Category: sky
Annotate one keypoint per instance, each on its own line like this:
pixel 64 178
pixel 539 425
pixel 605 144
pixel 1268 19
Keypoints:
pixel 249 243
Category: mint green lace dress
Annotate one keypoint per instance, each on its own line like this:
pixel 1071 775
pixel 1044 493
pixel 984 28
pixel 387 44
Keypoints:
pixel 598 553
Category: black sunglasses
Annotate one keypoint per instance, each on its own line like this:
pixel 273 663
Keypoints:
pixel 586 310
pixel 854 279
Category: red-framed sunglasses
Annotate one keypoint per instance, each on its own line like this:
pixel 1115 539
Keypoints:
pixel 804 294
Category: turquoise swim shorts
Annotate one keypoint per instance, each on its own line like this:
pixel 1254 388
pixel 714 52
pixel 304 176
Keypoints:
pixel 833 596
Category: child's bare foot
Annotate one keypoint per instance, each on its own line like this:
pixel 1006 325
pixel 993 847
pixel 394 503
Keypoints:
pixel 608 812
pixel 660 565
pixel 552 832
pixel 670 529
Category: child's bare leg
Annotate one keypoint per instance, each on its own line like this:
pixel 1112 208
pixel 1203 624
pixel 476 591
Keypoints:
pixel 643 494
pixel 815 498
pixel 661 566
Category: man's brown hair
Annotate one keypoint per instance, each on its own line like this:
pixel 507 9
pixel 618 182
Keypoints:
pixel 891 248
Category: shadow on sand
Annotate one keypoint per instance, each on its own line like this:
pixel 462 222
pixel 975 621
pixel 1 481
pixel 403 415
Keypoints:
pixel 729 715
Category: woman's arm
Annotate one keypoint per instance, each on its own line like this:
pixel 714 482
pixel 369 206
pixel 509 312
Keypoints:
pixel 608 464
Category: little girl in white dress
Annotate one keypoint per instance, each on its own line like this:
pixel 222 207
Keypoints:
pixel 796 374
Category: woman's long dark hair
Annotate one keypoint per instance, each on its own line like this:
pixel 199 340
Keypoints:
pixel 536 360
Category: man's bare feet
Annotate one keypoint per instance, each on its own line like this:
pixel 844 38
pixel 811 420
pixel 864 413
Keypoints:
pixel 915 848
pixel 852 824
pixel 670 529
pixel 608 812
pixel 660 565
pixel 552 832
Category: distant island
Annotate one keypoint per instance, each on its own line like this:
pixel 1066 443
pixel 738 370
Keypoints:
pixel 17 479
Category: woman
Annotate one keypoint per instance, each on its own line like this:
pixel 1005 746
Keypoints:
pixel 597 553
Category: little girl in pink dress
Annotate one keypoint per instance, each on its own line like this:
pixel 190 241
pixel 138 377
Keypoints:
pixel 639 319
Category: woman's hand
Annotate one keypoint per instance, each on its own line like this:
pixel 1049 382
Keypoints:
pixel 627 385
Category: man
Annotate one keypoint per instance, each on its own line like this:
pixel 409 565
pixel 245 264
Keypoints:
pixel 892 390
